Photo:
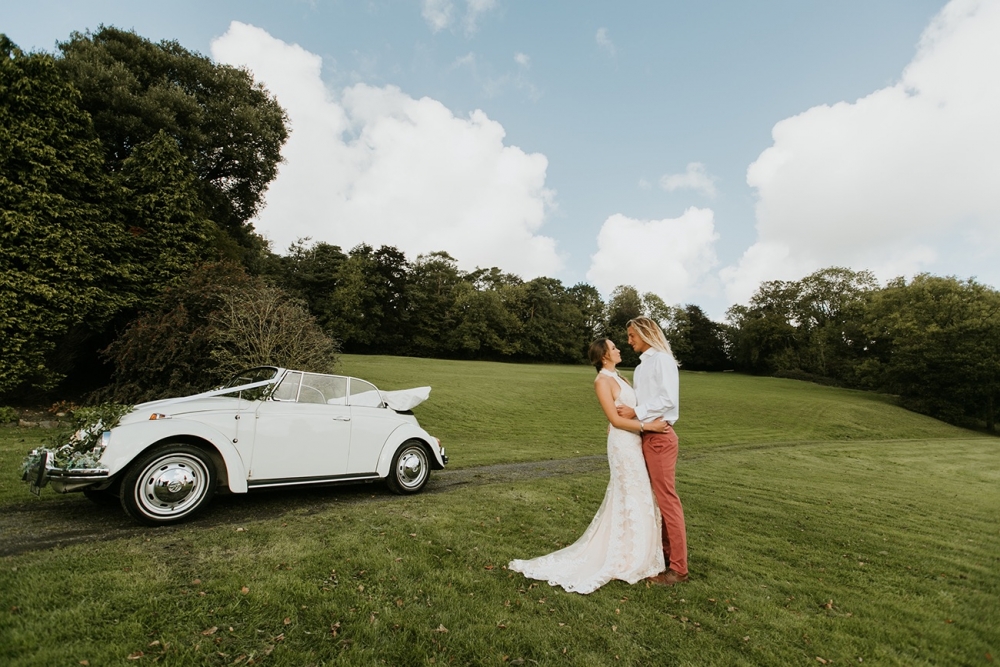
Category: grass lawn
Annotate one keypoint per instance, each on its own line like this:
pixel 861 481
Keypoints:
pixel 825 526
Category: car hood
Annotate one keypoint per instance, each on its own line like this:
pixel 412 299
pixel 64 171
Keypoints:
pixel 209 400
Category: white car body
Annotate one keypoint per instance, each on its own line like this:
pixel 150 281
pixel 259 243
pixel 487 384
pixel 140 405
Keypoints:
pixel 294 428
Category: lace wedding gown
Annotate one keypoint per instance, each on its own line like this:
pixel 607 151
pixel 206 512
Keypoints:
pixel 623 541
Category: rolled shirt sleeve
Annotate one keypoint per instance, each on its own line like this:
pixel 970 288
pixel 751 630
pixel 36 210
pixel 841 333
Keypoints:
pixel 657 387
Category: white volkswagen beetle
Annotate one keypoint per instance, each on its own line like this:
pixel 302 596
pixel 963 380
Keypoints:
pixel 268 427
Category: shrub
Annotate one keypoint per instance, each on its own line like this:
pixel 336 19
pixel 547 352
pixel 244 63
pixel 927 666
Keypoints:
pixel 8 415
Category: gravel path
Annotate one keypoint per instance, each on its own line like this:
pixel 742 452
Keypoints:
pixel 71 519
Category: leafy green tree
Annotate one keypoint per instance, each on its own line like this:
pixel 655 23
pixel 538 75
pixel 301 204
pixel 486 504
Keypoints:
pixel 936 343
pixel 310 273
pixel 553 327
pixel 763 335
pixel 54 281
pixel 214 323
pixel 810 326
pixel 700 342
pixel 487 302
pixel 432 286
pixel 229 129
pixel 487 328
pixel 829 316
pixel 624 304
pixel 167 231
pixel 368 308
pixel 167 350
pixel 588 301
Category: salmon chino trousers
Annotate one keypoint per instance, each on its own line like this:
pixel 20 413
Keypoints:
pixel 660 452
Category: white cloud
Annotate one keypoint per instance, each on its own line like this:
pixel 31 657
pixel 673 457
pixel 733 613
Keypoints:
pixel 373 165
pixel 694 178
pixel 672 258
pixel 905 179
pixel 438 13
pixel 604 41
pixel 475 9
pixel 468 60
pixel 522 59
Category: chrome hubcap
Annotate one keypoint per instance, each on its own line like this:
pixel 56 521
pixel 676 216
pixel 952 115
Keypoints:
pixel 172 485
pixel 411 467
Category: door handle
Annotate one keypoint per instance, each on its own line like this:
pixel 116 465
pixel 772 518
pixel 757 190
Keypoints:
pixel 342 419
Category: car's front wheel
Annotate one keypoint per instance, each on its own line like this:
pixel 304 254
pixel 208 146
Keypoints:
pixel 168 484
pixel 410 468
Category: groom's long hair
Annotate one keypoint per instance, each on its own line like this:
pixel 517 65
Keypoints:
pixel 649 331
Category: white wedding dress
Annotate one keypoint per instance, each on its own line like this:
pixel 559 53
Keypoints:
pixel 623 541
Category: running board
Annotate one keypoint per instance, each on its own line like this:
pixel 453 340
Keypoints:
pixel 300 481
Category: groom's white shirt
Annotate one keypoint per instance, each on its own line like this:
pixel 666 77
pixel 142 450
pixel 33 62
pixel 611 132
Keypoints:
pixel 657 386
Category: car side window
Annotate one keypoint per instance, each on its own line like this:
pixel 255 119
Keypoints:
pixel 328 389
pixel 364 394
pixel 288 390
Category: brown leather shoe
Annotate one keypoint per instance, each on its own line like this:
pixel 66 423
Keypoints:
pixel 668 578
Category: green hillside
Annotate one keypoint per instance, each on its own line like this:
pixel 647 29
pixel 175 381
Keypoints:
pixel 495 412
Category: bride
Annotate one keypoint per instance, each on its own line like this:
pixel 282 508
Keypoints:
pixel 623 540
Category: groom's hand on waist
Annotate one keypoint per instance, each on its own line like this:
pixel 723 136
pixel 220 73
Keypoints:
pixel 626 412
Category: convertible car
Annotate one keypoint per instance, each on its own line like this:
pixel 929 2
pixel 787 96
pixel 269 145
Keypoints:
pixel 268 427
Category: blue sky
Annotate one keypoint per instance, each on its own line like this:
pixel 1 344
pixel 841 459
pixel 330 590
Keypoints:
pixel 613 142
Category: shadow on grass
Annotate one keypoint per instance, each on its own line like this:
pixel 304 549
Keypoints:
pixel 72 519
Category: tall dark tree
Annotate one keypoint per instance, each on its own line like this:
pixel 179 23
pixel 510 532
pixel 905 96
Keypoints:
pixel 167 350
pixel 486 303
pixel 936 343
pixel 432 287
pixel 552 323
pixel 624 304
pixel 700 345
pixel 310 273
pixel 368 307
pixel 763 335
pixel 810 325
pixel 55 282
pixel 228 128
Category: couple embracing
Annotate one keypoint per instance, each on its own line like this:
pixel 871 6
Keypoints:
pixel 638 532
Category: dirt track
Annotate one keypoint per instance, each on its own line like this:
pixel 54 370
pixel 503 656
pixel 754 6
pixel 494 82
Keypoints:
pixel 35 526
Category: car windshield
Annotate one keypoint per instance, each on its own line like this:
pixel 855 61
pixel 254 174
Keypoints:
pixel 251 375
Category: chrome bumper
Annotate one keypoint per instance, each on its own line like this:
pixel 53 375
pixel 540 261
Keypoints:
pixel 61 479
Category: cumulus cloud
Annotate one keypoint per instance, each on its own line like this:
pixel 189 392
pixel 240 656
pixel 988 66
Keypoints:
pixel 672 258
pixel 604 41
pixel 373 165
pixel 694 178
pixel 900 181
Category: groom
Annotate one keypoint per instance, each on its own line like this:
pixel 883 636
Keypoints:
pixel 656 390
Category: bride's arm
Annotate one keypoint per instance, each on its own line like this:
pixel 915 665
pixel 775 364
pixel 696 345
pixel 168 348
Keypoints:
pixel 603 387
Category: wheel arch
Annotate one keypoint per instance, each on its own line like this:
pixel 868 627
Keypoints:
pixel 397 438
pixel 130 442
pixel 207 446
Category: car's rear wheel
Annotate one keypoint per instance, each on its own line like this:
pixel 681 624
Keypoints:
pixel 168 484
pixel 410 468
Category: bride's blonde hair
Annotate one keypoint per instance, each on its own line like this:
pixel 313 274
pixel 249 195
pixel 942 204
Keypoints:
pixel 650 333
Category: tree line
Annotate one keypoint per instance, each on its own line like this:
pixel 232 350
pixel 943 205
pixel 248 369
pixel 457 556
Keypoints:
pixel 131 171
pixel 933 341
